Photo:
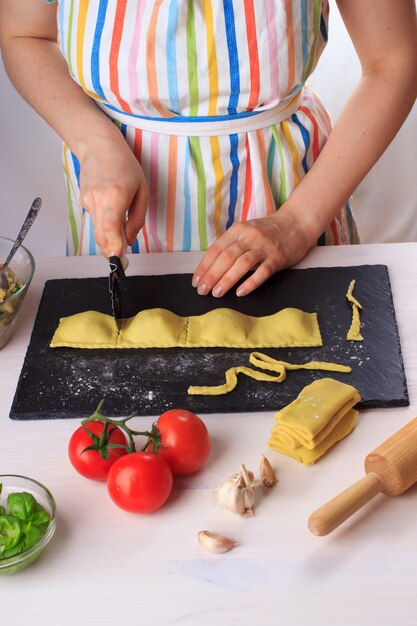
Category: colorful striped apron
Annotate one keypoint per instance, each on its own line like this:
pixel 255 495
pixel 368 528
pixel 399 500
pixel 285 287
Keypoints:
pixel 211 97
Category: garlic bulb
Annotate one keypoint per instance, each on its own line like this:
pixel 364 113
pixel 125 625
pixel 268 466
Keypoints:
pixel 216 543
pixel 237 493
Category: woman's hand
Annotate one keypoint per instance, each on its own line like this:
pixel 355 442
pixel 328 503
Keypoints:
pixel 268 244
pixel 114 191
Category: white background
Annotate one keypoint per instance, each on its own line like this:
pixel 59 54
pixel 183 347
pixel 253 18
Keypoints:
pixel 30 162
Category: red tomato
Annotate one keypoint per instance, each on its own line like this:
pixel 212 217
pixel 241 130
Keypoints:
pixel 185 440
pixel 140 482
pixel 90 463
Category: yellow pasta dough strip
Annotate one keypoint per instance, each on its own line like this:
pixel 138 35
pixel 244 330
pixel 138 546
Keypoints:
pixel 265 362
pixel 354 333
pixel 160 328
pixel 231 381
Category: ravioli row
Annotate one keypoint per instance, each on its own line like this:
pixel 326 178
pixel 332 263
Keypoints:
pixel 160 328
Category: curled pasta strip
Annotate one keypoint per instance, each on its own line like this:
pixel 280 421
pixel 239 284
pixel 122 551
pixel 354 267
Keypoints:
pixel 264 362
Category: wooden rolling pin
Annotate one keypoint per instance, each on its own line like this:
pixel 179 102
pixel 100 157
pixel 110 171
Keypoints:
pixel 391 469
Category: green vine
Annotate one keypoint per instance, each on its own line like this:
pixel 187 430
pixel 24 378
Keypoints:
pixel 102 443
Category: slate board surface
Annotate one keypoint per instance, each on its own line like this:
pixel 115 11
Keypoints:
pixel 67 382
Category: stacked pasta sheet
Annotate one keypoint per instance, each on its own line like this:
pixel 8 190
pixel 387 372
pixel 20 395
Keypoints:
pixel 319 417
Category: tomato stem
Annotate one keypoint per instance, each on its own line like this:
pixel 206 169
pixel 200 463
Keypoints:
pixel 154 436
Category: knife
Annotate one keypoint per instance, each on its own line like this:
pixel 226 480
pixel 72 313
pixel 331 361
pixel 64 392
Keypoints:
pixel 116 273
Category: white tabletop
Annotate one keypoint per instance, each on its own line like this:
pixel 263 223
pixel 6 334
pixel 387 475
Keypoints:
pixel 105 566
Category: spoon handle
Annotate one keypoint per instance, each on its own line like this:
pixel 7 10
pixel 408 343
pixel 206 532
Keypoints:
pixel 30 218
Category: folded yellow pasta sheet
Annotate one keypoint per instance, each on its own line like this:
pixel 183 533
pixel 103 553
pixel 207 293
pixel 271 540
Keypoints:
pixel 320 416
pixel 160 328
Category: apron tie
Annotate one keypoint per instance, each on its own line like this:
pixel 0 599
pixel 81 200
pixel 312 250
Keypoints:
pixel 204 126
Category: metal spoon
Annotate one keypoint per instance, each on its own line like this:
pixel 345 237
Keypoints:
pixel 30 218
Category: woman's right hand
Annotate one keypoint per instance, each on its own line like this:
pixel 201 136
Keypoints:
pixel 113 190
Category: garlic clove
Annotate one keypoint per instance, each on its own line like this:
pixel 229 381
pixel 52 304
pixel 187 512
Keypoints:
pixel 222 493
pixel 240 479
pixel 235 502
pixel 267 473
pixel 247 482
pixel 248 500
pixel 216 543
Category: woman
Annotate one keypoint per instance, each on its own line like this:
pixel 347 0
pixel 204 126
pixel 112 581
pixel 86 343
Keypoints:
pixel 187 124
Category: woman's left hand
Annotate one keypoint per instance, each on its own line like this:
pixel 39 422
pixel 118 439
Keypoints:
pixel 268 244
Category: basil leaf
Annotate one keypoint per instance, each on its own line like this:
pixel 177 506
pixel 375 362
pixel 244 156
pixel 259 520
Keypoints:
pixel 40 518
pixel 22 505
pixel 17 549
pixel 31 536
pixel 10 532
pixel 23 526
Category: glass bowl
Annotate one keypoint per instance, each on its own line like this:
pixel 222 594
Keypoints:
pixel 23 267
pixel 14 484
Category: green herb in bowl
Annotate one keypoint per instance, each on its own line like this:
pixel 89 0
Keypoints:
pixel 26 525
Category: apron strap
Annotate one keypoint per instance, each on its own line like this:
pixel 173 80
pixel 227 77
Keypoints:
pixel 204 127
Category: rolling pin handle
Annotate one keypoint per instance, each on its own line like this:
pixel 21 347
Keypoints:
pixel 333 513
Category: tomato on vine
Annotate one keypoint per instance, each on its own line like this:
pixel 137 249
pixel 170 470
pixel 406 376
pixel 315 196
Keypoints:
pixel 103 448
pixel 140 482
pixel 182 439
pixel 96 445
pixel 88 456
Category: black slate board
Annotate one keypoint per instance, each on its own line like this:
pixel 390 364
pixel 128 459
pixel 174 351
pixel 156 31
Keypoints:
pixel 66 382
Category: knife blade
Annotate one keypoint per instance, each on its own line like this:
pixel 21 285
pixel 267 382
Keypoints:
pixel 116 273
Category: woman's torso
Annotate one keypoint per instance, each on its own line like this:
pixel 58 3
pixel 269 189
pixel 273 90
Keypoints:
pixel 179 59
pixel 192 58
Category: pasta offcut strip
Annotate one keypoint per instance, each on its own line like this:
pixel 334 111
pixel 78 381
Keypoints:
pixel 264 362
pixel 354 333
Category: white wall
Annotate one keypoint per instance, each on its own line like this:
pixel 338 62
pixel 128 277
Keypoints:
pixel 30 166
pixel 30 162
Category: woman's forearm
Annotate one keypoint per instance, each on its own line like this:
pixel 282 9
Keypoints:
pixel 112 185
pixel 40 73
pixel 367 124
pixel 385 39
